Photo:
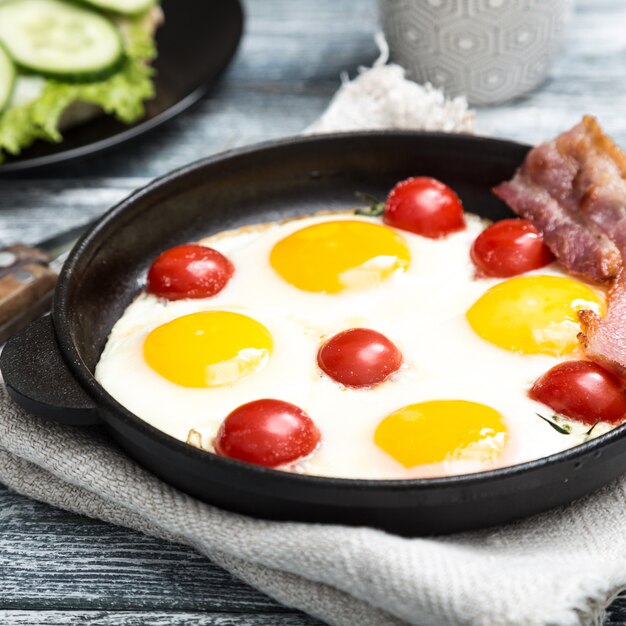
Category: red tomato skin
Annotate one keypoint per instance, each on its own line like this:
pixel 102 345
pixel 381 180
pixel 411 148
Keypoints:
pixel 267 432
pixel 424 206
pixel 359 357
pixel 189 271
pixel 509 248
pixel 582 391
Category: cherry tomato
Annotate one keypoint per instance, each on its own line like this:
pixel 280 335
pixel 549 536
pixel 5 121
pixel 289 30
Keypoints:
pixel 508 248
pixel 359 357
pixel 424 206
pixel 583 391
pixel 189 271
pixel 267 432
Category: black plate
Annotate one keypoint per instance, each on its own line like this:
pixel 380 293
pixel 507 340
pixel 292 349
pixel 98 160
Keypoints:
pixel 195 44
pixel 48 368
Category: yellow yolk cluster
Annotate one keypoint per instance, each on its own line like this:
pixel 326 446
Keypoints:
pixel 208 349
pixel 336 256
pixel 533 314
pixel 442 430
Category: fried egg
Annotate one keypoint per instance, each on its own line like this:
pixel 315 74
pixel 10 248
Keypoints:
pixel 472 347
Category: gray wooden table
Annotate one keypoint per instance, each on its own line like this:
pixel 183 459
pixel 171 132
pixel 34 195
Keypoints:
pixel 58 568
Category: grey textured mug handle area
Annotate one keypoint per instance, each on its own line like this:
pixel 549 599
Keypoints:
pixel 487 50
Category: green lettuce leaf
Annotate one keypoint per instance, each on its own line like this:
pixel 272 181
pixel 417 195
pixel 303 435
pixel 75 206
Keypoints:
pixel 123 94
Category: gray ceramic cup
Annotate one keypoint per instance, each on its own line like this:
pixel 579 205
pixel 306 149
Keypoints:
pixel 488 50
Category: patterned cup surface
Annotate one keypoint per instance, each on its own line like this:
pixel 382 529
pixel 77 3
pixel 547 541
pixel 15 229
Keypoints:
pixel 487 50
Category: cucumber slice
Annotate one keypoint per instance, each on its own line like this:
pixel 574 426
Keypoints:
pixel 60 40
pixel 125 7
pixel 7 78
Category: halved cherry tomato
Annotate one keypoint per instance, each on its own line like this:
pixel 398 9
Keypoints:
pixel 583 391
pixel 424 206
pixel 267 432
pixel 359 357
pixel 508 248
pixel 189 271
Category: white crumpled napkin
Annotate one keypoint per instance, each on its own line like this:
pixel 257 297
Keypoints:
pixel 381 98
pixel 561 568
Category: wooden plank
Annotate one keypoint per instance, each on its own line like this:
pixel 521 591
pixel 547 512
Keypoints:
pixel 52 559
pixel 38 209
pixel 157 618
pixel 152 618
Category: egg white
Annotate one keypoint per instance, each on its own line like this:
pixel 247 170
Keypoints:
pixel 422 310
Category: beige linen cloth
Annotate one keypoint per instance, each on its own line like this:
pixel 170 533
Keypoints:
pixel 561 568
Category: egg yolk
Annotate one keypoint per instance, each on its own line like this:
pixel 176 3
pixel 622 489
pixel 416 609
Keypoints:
pixel 332 257
pixel 208 349
pixel 533 314
pixel 442 430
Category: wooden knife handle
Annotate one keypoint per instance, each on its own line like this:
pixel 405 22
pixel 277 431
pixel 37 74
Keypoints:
pixel 26 287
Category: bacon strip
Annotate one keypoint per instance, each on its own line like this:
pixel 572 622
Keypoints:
pixel 604 339
pixel 573 189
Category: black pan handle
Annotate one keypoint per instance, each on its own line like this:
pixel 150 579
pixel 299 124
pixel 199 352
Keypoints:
pixel 38 379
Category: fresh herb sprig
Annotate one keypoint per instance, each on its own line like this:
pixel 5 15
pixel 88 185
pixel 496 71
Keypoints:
pixel 564 429
pixel 374 207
